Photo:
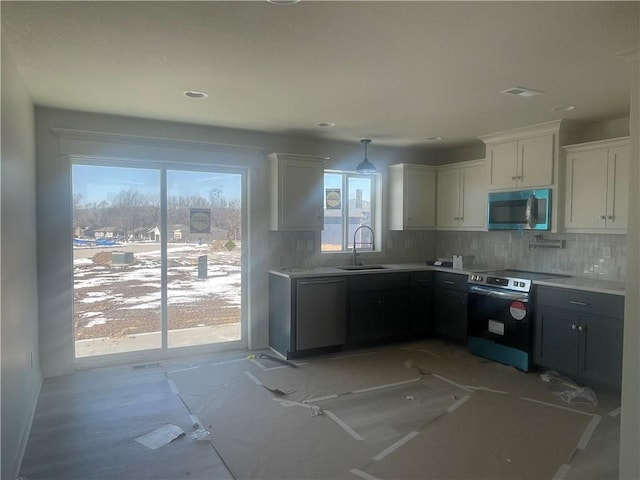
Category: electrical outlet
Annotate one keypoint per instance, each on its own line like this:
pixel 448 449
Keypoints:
pixel 606 252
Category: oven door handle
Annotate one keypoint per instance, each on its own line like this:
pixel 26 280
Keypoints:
pixel 494 292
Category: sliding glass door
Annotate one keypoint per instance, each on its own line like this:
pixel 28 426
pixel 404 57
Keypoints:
pixel 157 258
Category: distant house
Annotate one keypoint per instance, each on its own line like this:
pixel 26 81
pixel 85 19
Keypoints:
pixel 182 233
pixel 146 234
pixel 109 232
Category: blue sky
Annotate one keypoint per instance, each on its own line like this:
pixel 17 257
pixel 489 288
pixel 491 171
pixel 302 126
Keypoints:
pixel 100 183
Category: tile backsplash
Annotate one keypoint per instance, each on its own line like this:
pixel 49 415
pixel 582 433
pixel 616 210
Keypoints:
pixel 583 255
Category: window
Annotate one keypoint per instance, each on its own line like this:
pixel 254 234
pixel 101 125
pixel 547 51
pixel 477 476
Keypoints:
pixel 349 204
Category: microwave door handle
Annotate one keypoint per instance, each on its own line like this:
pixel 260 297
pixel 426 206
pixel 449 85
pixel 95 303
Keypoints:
pixel 531 211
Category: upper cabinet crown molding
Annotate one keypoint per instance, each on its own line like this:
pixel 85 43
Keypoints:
pixel 297 184
pixel 523 132
pixel 596 145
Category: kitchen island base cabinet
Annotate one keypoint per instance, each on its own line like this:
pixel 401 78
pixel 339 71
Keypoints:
pixel 307 315
pixel 579 334
pixel 450 306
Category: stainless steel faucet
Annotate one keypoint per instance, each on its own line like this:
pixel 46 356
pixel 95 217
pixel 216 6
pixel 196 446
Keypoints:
pixel 372 243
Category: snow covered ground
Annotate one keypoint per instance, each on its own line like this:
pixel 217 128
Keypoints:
pixel 118 300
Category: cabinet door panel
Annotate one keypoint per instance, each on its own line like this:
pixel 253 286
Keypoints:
pixel 618 188
pixel 448 209
pixel 420 198
pixel 450 318
pixel 364 316
pixel 421 307
pixel 586 189
pixel 601 345
pixel 395 314
pixel 474 196
pixel 321 313
pixel 556 341
pixel 535 161
pixel 301 190
pixel 502 164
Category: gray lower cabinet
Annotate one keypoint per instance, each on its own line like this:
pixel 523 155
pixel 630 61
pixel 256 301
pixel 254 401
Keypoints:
pixel 580 334
pixel 450 306
pixel 378 307
pixel 421 304
pixel 306 315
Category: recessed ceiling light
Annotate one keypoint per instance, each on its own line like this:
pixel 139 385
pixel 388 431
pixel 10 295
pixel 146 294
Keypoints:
pixel 563 108
pixel 195 94
pixel 521 92
pixel 434 139
pixel 326 124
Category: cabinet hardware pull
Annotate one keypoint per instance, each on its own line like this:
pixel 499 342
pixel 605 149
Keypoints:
pixel 514 178
pixel 603 217
pixel 610 217
pixel 575 302
pixel 448 282
pixel 581 329
pixel 423 280
pixel 573 327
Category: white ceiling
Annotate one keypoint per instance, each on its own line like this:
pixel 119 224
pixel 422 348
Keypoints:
pixel 397 72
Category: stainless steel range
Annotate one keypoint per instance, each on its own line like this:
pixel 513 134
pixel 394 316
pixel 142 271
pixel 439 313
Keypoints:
pixel 500 315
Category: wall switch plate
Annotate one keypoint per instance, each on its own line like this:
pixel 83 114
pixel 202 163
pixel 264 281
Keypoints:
pixel 606 252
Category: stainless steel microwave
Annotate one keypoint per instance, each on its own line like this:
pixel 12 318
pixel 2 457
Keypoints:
pixel 520 210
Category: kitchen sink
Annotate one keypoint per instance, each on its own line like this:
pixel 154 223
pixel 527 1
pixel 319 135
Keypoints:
pixel 362 267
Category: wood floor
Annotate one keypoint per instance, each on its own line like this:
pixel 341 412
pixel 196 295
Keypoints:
pixel 86 425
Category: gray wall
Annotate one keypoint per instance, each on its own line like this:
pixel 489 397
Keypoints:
pixel 54 203
pixel 21 377
pixel 630 420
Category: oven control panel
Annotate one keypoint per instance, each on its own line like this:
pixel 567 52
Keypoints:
pixel 507 283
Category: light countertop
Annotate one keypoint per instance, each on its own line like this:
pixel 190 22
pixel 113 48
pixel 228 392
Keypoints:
pixel 576 283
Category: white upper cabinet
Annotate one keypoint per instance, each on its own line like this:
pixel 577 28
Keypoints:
pixel 597 186
pixel 412 197
pixel 297 184
pixel 522 158
pixel 462 196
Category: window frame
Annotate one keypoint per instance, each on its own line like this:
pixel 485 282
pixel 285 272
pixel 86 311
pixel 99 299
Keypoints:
pixel 375 214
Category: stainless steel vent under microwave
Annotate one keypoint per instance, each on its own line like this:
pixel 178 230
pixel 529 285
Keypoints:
pixel 523 209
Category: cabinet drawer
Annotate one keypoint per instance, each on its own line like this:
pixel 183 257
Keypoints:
pixel 378 281
pixel 582 302
pixel 454 281
pixel 422 279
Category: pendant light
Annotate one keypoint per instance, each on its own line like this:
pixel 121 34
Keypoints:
pixel 366 167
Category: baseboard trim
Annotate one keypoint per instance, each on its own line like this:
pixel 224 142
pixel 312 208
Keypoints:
pixel 26 429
